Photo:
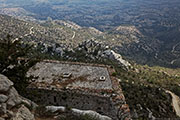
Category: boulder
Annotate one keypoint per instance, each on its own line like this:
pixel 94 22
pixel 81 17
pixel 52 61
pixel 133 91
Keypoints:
pixel 12 104
pixel 3 108
pixel 2 118
pixel 23 114
pixel 29 103
pixel 14 98
pixel 5 83
pixel 77 112
pixel 3 98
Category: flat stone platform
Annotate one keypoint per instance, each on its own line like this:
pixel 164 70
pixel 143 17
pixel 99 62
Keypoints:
pixel 72 75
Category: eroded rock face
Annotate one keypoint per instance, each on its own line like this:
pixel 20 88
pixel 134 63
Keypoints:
pixel 3 98
pixel 5 83
pixel 23 113
pixel 115 56
pixel 97 50
pixel 14 98
pixel 2 118
pixel 3 108
pixel 12 105
pixel 77 112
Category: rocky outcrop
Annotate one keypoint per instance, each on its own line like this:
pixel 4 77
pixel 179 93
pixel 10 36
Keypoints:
pixel 97 50
pixel 95 31
pixel 5 84
pixel 175 102
pixel 23 113
pixel 91 47
pixel 115 56
pixel 12 105
pixel 68 24
pixel 77 112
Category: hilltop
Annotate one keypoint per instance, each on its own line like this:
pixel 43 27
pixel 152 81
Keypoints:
pixel 89 45
pixel 57 31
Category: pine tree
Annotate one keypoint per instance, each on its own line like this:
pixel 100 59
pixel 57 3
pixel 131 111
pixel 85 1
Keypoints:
pixel 10 63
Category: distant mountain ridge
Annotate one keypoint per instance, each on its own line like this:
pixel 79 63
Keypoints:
pixel 57 31
pixel 143 86
pixel 156 21
pixel 126 40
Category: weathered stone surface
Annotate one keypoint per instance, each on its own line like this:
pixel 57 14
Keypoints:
pixel 3 108
pixel 5 83
pixel 77 112
pixel 175 103
pixel 14 98
pixel 115 56
pixel 83 89
pixel 28 103
pixel 2 118
pixel 10 114
pixel 48 72
pixel 3 98
pixel 24 114
pixel 9 98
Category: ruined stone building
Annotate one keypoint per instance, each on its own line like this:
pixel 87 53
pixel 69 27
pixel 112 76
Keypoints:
pixel 78 85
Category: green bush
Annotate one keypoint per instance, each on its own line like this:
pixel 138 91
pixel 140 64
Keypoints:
pixel 114 74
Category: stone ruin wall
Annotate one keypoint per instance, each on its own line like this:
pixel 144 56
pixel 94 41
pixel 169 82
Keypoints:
pixel 72 99
pixel 112 105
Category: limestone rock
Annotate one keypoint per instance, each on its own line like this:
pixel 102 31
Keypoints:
pixel 3 98
pixel 115 56
pixel 14 98
pixel 77 112
pixel 24 114
pixel 10 114
pixel 29 103
pixel 3 108
pixel 175 102
pixel 2 118
pixel 9 99
pixel 97 50
pixel 5 83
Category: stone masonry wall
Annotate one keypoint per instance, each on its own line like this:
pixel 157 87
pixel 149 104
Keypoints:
pixel 108 101
pixel 72 99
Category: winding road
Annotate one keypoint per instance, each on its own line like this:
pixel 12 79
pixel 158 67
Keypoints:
pixel 30 33
pixel 174 47
pixel 74 35
pixel 173 50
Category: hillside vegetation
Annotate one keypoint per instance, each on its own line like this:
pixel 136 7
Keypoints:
pixel 143 86
pixel 158 22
